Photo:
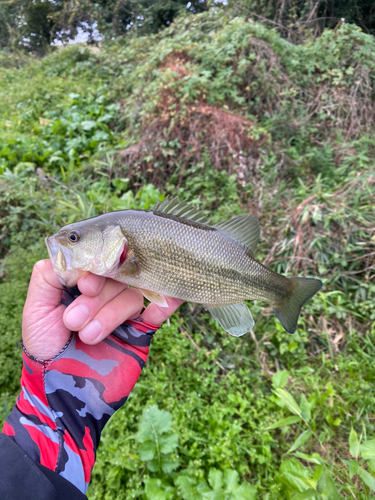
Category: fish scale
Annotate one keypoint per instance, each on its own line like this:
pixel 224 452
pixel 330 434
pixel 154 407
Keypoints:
pixel 165 254
pixel 174 257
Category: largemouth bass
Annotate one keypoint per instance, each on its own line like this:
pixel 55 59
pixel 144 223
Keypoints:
pixel 172 251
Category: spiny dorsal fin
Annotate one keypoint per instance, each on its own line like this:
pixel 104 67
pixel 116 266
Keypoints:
pixel 181 209
pixel 245 229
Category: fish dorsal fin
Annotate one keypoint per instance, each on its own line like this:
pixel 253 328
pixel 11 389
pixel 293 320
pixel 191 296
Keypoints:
pixel 235 319
pixel 181 209
pixel 245 229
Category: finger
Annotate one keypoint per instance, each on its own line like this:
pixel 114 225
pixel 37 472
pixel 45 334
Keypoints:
pixel 156 315
pixel 91 284
pixel 43 331
pixel 126 305
pixel 84 308
pixel 44 288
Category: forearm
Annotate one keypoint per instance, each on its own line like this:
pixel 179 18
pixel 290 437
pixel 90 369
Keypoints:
pixel 66 401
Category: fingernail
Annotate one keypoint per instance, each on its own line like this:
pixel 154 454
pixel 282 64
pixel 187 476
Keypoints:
pixel 77 316
pixel 93 282
pixel 92 331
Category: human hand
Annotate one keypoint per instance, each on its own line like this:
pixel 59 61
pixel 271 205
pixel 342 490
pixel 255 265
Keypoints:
pixel 71 385
pixel 104 304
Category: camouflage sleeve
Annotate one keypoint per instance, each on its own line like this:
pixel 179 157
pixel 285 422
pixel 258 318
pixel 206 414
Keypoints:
pixel 66 401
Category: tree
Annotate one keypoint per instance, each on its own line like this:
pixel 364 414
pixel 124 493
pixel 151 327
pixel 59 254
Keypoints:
pixel 34 25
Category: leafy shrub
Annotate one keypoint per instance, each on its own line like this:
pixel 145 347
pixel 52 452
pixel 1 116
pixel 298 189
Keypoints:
pixel 66 138
pixel 222 111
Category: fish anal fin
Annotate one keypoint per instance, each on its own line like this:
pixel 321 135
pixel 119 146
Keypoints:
pixel 155 298
pixel 245 229
pixel 235 319
pixel 288 310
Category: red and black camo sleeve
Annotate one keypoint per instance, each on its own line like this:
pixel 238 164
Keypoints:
pixel 66 401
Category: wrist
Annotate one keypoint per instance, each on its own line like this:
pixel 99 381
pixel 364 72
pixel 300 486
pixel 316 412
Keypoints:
pixel 66 400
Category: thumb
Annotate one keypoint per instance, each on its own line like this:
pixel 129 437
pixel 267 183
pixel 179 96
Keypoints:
pixel 44 287
pixel 43 331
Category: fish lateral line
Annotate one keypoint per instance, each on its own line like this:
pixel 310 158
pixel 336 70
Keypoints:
pixel 173 250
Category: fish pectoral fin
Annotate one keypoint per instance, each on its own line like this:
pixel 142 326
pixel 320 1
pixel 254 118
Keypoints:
pixel 129 269
pixel 155 298
pixel 130 266
pixel 236 319
pixel 245 229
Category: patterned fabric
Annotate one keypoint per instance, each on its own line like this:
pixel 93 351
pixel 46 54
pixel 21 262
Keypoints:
pixel 66 401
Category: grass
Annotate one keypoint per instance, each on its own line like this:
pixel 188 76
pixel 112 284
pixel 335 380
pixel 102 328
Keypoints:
pixel 226 113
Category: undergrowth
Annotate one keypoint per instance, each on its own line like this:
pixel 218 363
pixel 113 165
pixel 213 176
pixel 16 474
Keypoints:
pixel 225 113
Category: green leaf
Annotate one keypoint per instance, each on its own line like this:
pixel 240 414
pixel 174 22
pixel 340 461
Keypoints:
pixel 168 444
pixel 168 466
pixel 296 482
pixel 305 495
pixel 305 436
pixel 327 487
pixel 318 472
pixel 367 449
pixel 353 468
pixel 245 492
pixel 88 124
pixel 283 421
pixel 289 401
pixel 295 476
pixel 294 466
pixel 280 379
pixel 153 423
pixel 305 409
pixel 156 445
pixel 157 490
pixel 367 478
pixel 353 444
pixel 231 480
pixel 153 465
pixel 314 459
pixel 147 451
pixel 188 487
pixel 215 479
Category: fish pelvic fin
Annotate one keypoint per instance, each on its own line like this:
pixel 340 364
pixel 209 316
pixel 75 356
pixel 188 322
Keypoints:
pixel 235 319
pixel 288 309
pixel 245 229
pixel 154 297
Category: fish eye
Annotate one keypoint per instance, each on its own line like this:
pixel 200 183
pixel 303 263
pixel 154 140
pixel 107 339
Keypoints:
pixel 74 236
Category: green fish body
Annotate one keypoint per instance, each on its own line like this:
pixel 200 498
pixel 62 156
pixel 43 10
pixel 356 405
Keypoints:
pixel 171 251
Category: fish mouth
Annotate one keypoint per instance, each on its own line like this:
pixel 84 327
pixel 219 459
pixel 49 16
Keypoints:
pixel 61 259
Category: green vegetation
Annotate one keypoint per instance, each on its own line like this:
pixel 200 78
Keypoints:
pixel 225 112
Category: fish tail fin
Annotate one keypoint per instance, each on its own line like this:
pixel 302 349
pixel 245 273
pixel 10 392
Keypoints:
pixel 288 309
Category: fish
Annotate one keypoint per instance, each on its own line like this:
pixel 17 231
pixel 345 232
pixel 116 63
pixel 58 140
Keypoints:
pixel 173 250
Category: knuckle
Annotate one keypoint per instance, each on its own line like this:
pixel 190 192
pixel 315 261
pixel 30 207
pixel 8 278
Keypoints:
pixel 41 266
pixel 138 298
